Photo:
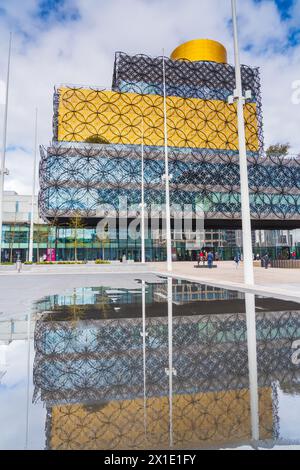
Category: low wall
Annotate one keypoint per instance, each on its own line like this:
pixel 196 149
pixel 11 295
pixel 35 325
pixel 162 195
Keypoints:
pixel 286 263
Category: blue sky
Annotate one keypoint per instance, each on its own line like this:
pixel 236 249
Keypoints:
pixel 57 10
pixel 74 41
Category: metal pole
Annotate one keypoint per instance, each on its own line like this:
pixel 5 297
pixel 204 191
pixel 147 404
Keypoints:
pixel 252 364
pixel 30 258
pixel 2 167
pixel 171 370
pixel 166 175
pixel 144 334
pixel 143 201
pixel 245 203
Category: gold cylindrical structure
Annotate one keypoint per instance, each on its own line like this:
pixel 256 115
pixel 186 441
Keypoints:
pixel 201 50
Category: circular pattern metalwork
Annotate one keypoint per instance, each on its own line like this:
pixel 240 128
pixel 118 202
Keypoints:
pixel 203 157
pixel 90 375
pixel 87 177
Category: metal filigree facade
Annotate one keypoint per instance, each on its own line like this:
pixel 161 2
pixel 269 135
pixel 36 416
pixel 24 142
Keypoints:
pixel 88 178
pixel 89 367
pixel 208 81
pixel 118 118
pixel 90 376
pixel 81 178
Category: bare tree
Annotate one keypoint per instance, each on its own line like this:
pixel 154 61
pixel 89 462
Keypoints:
pixel 278 150
pixel 76 223
pixel 40 235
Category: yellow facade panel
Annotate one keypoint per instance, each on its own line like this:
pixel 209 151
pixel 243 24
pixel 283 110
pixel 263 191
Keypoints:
pixel 117 118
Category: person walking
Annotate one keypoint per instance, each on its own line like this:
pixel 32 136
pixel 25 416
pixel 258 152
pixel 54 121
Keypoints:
pixel 210 259
pixel 294 255
pixel 266 260
pixel 237 260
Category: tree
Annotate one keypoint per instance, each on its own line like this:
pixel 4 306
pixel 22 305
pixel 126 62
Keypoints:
pixel 53 224
pixel 76 223
pixel 278 150
pixel 104 239
pixel 96 139
pixel 40 235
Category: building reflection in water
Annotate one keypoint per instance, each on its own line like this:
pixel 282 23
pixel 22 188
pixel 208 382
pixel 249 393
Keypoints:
pixel 166 365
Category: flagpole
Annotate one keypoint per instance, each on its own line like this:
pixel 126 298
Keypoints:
pixel 170 371
pixel 3 171
pixel 144 335
pixel 30 257
pixel 143 201
pixel 166 175
pixel 252 363
pixel 244 183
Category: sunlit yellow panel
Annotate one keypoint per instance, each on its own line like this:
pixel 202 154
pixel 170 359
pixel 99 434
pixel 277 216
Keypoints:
pixel 117 118
pixel 201 50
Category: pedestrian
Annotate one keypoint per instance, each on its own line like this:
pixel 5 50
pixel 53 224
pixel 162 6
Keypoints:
pixel 204 257
pixel 237 259
pixel 210 259
pixel 294 255
pixel 266 260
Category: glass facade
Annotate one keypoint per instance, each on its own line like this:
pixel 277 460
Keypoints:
pixel 89 247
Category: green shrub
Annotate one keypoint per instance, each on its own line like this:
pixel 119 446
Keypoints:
pixel 70 262
pixel 101 261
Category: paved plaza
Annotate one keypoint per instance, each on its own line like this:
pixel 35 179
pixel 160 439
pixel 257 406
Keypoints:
pixel 19 290
pixel 275 281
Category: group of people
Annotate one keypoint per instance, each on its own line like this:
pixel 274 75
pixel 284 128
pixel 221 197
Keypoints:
pixel 265 259
pixel 209 257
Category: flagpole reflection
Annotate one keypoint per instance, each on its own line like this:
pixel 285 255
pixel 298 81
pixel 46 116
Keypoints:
pixel 252 364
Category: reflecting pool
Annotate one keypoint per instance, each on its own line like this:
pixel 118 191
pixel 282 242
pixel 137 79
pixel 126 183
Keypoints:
pixel 169 364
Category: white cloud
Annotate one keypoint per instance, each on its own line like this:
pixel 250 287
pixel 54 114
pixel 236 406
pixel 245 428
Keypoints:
pixel 82 52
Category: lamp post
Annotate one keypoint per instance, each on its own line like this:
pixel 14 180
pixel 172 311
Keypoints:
pixel 3 170
pixel 166 176
pixel 30 257
pixel 240 99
